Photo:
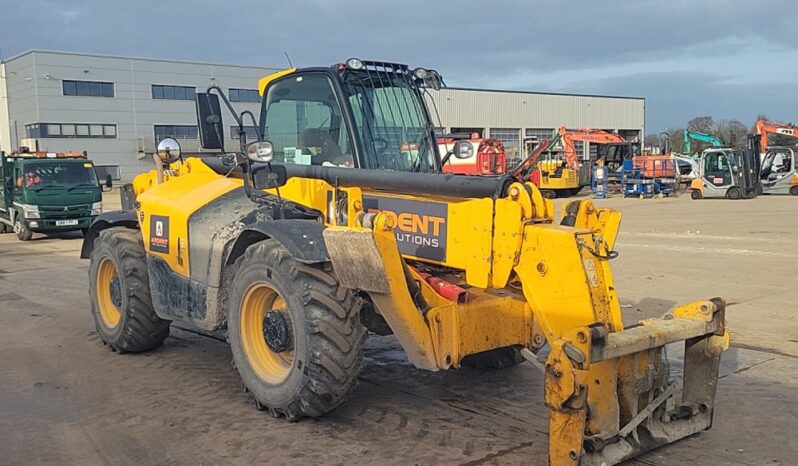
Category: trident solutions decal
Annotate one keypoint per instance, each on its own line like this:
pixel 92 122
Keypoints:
pixel 159 234
pixel 420 226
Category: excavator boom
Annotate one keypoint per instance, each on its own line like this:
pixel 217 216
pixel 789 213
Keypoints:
pixel 765 127
pixel 690 136
pixel 596 136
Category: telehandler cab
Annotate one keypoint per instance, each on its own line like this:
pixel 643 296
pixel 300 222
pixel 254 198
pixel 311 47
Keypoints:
pixel 326 227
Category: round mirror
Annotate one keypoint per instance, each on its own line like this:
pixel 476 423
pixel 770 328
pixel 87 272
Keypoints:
pixel 260 151
pixel 463 150
pixel 168 150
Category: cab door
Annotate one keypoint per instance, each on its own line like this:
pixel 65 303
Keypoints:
pixel 716 169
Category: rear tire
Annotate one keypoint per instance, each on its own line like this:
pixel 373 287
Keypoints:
pixel 22 232
pixel 695 194
pixel 794 190
pixel 734 193
pixel 5 228
pixel 120 293
pixel 296 335
pixel 500 358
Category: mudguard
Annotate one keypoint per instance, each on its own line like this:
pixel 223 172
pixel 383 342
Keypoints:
pixel 125 218
pixel 302 238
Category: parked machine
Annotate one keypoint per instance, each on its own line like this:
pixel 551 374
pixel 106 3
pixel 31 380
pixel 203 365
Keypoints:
pixel 296 261
pixel 765 128
pixel 778 174
pixel 612 150
pixel 728 173
pixel 48 192
pixel 473 155
pixel 546 167
pixel 690 136
pixel 646 176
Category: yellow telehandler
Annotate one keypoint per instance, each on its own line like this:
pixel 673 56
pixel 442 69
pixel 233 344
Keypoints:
pixel 338 219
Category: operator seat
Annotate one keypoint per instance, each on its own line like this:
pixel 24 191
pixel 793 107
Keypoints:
pixel 321 139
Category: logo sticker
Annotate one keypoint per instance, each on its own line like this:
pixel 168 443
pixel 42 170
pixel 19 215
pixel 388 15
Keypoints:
pixel 159 234
pixel 420 226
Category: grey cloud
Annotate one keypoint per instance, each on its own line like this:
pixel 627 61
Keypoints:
pixel 471 42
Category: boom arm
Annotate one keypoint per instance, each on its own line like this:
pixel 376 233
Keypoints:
pixel 689 136
pixel 522 171
pixel 764 127
pixel 596 136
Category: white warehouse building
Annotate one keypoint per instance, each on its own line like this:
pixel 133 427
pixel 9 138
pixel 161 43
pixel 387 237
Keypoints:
pixel 118 108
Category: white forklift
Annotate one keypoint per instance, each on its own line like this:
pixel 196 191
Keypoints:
pixel 728 173
pixel 779 174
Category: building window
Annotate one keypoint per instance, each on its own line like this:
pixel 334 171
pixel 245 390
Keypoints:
pixel 70 130
pixel 88 88
pixel 252 133
pixel 172 92
pixel 104 170
pixel 175 131
pixel 244 95
pixel 539 133
pixel 467 132
pixel 510 138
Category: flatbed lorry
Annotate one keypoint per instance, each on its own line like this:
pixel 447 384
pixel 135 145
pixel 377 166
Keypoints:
pixel 48 192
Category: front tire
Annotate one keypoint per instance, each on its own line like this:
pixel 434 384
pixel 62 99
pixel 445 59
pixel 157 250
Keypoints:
pixel 734 193
pixel 22 232
pixel 120 293
pixel 295 334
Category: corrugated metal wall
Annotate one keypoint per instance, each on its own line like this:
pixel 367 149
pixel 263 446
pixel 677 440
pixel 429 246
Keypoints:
pixel 499 109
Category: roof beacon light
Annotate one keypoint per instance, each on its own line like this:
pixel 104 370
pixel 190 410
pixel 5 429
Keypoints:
pixel 355 64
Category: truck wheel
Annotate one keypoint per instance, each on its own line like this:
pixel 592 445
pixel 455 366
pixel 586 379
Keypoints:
pixel 734 193
pixel 296 336
pixel 120 293
pixel 22 231
pixel 695 194
pixel 500 358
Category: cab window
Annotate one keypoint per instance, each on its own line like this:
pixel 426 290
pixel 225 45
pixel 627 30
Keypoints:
pixel 303 120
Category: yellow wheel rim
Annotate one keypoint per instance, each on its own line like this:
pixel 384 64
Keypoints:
pixel 109 293
pixel 272 367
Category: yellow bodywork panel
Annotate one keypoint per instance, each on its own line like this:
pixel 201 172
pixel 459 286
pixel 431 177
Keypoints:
pixel 559 281
pixel 568 179
pixel 164 209
pixel 264 81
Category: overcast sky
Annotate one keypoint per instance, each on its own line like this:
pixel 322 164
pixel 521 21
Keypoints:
pixel 725 58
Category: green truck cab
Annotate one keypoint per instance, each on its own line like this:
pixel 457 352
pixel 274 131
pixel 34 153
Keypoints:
pixel 48 192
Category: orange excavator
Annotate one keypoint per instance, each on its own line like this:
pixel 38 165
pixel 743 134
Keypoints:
pixel 765 127
pixel 593 136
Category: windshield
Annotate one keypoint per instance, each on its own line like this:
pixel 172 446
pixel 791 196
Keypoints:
pixel 391 120
pixel 40 175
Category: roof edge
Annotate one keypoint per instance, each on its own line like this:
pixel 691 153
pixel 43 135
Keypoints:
pixel 564 94
pixel 130 57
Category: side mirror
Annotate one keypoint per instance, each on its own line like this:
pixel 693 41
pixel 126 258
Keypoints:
pixel 209 121
pixel 109 182
pixel 269 176
pixel 260 151
pixel 168 152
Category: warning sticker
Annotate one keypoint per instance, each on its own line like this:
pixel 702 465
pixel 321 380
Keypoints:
pixel 159 234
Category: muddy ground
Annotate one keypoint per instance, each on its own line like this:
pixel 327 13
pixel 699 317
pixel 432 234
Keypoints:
pixel 67 399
